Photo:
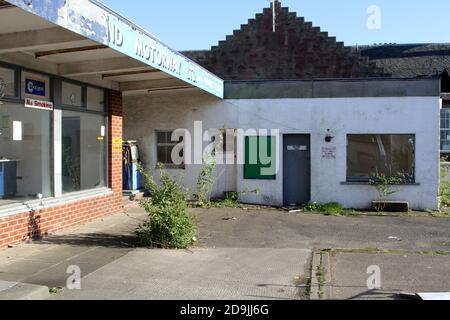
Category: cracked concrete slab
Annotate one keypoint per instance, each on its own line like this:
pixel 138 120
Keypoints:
pixel 200 274
pixel 410 273
pixel 22 291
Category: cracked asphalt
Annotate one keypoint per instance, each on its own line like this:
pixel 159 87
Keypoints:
pixel 270 228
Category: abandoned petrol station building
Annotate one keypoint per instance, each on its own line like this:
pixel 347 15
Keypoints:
pixel 77 78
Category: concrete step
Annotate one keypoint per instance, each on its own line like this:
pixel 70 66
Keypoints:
pixel 22 291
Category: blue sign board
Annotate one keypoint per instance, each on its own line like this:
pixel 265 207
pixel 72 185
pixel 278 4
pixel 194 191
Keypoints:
pixel 96 22
pixel 35 87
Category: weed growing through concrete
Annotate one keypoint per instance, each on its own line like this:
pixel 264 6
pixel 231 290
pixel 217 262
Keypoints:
pixel 205 183
pixel 55 290
pixel 169 225
pixel 385 187
pixel 320 273
pixel 329 209
pixel 231 199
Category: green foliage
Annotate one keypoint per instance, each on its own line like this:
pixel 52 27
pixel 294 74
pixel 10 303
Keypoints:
pixel 385 186
pixel 330 209
pixel 55 290
pixel 444 190
pixel 232 199
pixel 169 225
pixel 205 184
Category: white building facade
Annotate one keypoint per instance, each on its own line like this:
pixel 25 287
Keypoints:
pixel 385 126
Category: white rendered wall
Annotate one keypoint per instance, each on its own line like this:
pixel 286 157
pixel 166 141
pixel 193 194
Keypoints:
pixel 400 115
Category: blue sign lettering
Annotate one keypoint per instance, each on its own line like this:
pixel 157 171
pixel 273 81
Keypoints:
pixel 35 87
pixel 93 21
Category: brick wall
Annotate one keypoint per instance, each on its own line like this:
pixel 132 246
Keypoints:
pixel 115 133
pixel 297 50
pixel 21 227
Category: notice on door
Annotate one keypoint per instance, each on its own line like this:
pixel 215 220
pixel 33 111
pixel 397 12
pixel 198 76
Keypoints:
pixel 329 153
pixel 297 148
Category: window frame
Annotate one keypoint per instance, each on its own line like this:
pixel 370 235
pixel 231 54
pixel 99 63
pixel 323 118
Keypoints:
pixel 57 92
pixel 17 83
pixel 83 95
pixel 443 129
pixel 167 144
pixel 18 99
pixel 366 180
pixel 106 162
pixel 55 95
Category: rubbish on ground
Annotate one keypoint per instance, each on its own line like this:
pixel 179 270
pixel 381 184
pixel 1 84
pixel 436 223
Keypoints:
pixel 229 219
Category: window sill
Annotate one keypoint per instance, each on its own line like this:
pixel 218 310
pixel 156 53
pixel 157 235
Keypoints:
pixel 364 183
pixel 36 205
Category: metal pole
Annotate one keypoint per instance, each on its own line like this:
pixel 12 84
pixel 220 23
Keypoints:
pixel 274 3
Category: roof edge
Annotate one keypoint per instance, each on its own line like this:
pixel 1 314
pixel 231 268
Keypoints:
pixel 333 88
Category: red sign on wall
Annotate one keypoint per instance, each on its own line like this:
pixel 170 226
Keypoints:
pixel 38 104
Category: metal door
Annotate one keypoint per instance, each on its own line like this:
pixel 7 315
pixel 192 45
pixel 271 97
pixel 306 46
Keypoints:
pixel 296 169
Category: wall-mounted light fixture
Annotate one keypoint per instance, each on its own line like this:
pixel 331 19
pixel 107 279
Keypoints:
pixel 329 137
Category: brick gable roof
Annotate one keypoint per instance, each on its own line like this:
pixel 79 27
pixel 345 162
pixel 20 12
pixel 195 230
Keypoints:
pixel 297 50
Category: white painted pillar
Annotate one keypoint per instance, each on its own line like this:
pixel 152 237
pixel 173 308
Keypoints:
pixel 57 153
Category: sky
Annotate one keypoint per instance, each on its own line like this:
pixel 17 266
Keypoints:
pixel 200 24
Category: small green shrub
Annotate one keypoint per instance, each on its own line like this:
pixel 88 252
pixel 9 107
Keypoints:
pixel 444 193
pixel 330 209
pixel 169 225
pixel 444 190
pixel 205 184
pixel 384 184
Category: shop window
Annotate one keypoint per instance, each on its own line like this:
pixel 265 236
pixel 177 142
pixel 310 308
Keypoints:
pixel 72 94
pixel 165 146
pixel 260 158
pixel 8 87
pixel 25 160
pixel 95 99
pixel 372 154
pixel 83 151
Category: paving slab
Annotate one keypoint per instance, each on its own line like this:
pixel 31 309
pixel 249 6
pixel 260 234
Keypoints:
pixel 90 246
pixel 410 273
pixel 21 291
pixel 200 274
